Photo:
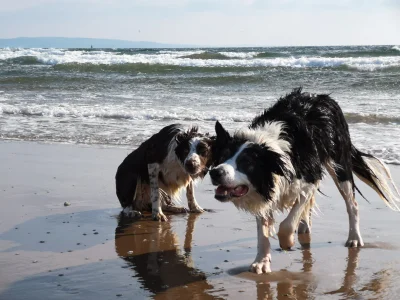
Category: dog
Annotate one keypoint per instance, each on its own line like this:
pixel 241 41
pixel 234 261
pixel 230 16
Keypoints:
pixel 277 163
pixel 152 176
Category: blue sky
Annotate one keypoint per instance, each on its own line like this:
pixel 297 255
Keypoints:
pixel 208 22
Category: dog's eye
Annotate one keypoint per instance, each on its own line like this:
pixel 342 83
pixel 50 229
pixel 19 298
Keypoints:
pixel 202 150
pixel 224 155
pixel 245 159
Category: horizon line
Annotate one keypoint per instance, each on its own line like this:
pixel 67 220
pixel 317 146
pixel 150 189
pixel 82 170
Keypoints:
pixel 188 45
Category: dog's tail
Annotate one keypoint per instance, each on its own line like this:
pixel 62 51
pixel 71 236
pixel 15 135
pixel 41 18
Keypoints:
pixel 375 173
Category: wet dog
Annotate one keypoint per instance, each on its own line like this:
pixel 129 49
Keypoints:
pixel 152 176
pixel 279 161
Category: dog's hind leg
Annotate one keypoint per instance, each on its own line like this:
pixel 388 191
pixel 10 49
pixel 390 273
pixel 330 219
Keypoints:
pixel 305 222
pixel 192 203
pixel 346 189
pixel 156 212
pixel 304 229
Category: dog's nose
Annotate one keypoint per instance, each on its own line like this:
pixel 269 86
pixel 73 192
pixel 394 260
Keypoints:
pixel 190 166
pixel 217 173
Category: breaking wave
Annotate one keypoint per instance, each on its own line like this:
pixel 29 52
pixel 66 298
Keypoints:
pixel 118 113
pixel 206 55
pixel 371 118
pixel 76 59
pixel 121 113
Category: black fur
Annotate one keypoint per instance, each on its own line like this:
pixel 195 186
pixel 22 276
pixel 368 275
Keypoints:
pixel 318 133
pixel 134 166
pixel 317 130
pixel 259 163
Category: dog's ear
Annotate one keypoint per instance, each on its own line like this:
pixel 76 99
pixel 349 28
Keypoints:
pixel 223 136
pixel 179 138
pixel 269 164
pixel 274 162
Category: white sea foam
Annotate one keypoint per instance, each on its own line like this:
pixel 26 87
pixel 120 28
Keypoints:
pixel 243 55
pixel 396 48
pixel 58 56
pixel 120 112
pixel 111 124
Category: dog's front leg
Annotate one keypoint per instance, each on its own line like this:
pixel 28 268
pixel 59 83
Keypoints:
pixel 156 212
pixel 290 224
pixel 262 263
pixel 192 203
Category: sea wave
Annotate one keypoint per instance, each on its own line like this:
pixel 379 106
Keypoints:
pixel 177 114
pixel 112 124
pixel 119 113
pixel 196 59
pixel 371 118
pixel 206 55
pixel 389 154
pixel 363 53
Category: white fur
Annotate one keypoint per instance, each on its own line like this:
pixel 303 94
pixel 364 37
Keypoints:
pixel 289 225
pixel 383 174
pixel 268 135
pixel 346 190
pixel 262 262
pixel 193 156
pixel 285 193
pixel 354 239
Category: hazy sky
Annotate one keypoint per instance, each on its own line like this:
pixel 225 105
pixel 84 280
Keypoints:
pixel 208 22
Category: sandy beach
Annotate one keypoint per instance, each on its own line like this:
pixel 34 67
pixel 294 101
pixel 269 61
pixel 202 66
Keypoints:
pixel 86 251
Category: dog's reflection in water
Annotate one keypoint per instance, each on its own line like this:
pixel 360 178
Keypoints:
pixel 297 286
pixel 153 251
pixel 289 285
pixel 377 285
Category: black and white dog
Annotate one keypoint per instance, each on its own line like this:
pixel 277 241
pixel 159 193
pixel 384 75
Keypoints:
pixel 152 175
pixel 279 161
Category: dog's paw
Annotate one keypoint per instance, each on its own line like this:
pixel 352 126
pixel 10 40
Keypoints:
pixel 130 213
pixel 354 240
pixel 354 243
pixel 159 216
pixel 259 267
pixel 196 209
pixel 304 240
pixel 175 209
pixel 286 242
pixel 135 214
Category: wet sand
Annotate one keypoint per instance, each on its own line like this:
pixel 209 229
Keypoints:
pixel 86 251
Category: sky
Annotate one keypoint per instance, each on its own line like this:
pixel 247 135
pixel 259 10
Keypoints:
pixel 208 22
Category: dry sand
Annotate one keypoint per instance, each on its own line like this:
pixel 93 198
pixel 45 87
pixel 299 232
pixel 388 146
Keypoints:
pixel 84 251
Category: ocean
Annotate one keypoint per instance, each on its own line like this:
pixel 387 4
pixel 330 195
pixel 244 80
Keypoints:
pixel 119 97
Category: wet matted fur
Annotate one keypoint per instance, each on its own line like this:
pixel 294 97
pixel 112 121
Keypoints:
pixel 279 161
pixel 152 176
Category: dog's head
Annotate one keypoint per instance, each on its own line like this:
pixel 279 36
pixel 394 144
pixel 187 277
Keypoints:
pixel 194 150
pixel 243 167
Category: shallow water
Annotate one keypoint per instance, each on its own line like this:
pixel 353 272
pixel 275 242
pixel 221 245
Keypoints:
pixel 86 249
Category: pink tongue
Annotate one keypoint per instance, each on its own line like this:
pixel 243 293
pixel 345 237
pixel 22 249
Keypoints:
pixel 222 189
pixel 240 190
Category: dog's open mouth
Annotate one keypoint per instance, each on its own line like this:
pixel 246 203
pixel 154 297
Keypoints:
pixel 224 193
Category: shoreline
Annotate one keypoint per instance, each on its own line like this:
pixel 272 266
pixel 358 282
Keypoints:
pixel 206 255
